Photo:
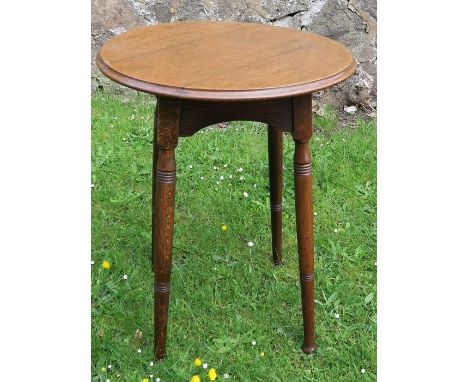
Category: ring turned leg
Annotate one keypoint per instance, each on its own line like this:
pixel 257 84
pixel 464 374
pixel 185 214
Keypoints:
pixel 302 132
pixel 155 162
pixel 275 159
pixel 163 217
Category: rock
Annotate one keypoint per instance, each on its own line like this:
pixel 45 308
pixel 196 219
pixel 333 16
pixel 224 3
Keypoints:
pixel 350 109
pixel 352 22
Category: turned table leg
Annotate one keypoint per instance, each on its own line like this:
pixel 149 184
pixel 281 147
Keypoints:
pixel 155 162
pixel 163 216
pixel 275 159
pixel 302 132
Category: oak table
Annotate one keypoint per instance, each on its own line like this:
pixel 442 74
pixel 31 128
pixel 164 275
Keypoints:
pixel 210 72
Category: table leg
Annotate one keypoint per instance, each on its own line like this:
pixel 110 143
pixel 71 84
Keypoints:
pixel 163 223
pixel 275 159
pixel 302 132
pixel 155 162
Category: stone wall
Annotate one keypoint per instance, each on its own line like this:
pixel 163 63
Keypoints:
pixel 352 22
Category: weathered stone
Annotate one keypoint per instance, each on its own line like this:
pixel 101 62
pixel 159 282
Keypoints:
pixel 352 22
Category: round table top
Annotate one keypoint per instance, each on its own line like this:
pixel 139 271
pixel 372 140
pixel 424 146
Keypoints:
pixel 224 60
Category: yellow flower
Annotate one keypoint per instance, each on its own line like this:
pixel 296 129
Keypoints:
pixel 197 362
pixel 105 264
pixel 224 227
pixel 103 369
pixel 212 374
pixel 262 354
pixel 145 380
pixel 195 378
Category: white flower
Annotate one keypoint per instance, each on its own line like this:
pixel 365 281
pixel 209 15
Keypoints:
pixel 321 144
pixel 92 262
pixel 226 375
pixel 363 371
pixel 375 263
pixel 151 376
pixel 335 230
pixel 343 140
pixel 217 182
pixel 125 277
pixel 205 365
pixel 92 185
pixel 202 177
pixel 109 366
pixel 315 213
pixel 151 363
pixel 337 315
pixel 124 138
pixel 132 117
pixel 250 244
pixel 112 125
pixel 246 194
pixel 108 380
pixel 317 139
pixel 221 177
pixel 240 169
pixel 215 168
pixel 190 167
pixel 158 379
pixel 241 177
pixel 253 342
pixel 225 165
pixel 139 350
pixel 230 176
pixel 255 185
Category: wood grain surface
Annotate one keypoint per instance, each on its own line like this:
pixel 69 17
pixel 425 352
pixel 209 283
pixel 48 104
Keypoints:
pixel 224 60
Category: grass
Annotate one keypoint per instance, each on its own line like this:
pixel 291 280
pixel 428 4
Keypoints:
pixel 225 294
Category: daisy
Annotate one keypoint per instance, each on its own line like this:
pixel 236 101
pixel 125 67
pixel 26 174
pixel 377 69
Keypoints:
pixel 363 371
pixel 246 194
pixel 139 350
pixel 205 365
pixel 250 244
pixel 337 315
pixel 253 342
pixel 125 277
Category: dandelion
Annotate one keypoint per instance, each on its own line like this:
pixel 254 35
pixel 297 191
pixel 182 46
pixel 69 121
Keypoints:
pixel 253 342
pixel 197 362
pixel 139 350
pixel 262 354
pixel 221 177
pixel 224 227
pixel 125 277
pixel 145 380
pixel 337 315
pixel 195 378
pixel 212 374
pixel 226 376
pixel 363 371
pixel 205 365
pixel 106 264
pixel 250 244
pixel 246 194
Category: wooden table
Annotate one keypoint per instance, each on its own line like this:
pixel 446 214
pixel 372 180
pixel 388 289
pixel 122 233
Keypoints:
pixel 209 72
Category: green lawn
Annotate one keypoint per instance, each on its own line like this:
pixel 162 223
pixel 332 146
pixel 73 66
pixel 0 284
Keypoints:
pixel 224 294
